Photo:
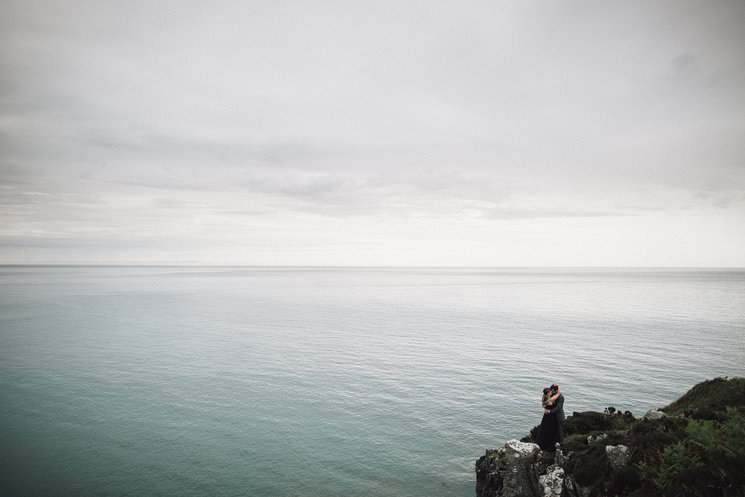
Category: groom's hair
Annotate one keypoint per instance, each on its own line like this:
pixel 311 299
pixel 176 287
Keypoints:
pixel 554 388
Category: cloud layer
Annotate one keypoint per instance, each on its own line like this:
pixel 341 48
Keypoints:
pixel 373 133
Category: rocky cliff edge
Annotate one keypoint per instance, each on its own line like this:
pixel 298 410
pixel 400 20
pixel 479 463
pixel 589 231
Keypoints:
pixel 693 447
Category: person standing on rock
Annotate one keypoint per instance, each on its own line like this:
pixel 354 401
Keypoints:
pixel 550 431
pixel 558 409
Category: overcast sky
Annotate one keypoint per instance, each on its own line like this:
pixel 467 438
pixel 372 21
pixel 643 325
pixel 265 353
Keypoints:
pixel 476 133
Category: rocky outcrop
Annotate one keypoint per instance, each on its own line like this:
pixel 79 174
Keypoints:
pixel 511 470
pixel 611 453
pixel 521 469
pixel 552 482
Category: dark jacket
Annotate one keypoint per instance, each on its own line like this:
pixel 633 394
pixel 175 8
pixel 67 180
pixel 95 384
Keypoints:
pixel 559 406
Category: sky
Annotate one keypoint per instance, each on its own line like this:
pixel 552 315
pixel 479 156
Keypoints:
pixel 373 133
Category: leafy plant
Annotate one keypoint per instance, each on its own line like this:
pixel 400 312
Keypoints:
pixel 708 461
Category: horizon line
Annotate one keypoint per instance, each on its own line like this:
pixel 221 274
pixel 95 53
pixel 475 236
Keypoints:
pixel 311 266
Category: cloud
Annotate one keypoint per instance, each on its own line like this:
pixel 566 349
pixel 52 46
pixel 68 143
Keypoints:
pixel 179 121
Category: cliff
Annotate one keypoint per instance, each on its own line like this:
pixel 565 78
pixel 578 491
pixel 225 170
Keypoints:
pixel 693 447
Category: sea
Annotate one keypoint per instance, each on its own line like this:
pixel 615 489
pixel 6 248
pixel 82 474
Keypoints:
pixel 314 382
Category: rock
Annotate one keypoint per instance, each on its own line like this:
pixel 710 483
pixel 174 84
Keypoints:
pixel 510 471
pixel 579 491
pixel 517 448
pixel 596 438
pixel 586 422
pixel 572 488
pixel 618 455
pixel 654 414
pixel 553 481
pixel 559 458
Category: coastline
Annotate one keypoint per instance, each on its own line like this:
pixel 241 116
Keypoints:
pixel 693 447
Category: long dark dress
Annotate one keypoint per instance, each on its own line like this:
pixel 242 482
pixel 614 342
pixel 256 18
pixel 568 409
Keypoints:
pixel 549 432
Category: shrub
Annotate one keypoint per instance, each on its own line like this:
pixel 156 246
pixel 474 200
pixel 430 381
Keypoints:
pixel 708 461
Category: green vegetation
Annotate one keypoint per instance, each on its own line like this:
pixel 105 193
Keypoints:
pixel 710 396
pixel 708 461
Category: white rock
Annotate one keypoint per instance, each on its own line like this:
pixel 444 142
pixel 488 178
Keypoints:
pixel 521 448
pixel 553 481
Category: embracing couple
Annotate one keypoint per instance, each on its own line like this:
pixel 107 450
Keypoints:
pixel 551 431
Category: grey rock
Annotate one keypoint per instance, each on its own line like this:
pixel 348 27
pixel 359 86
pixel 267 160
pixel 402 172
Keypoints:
pixel 654 414
pixel 510 471
pixel 596 438
pixel 618 455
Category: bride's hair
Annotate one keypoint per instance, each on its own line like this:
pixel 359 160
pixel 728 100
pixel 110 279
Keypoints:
pixel 546 400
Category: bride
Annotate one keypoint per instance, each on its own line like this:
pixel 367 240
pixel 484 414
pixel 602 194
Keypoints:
pixel 549 432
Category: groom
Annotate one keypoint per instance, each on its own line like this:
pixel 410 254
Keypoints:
pixel 558 408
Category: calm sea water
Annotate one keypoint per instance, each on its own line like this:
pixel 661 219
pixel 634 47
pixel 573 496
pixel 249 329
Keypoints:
pixel 329 382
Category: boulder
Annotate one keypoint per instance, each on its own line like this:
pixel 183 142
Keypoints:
pixel 654 414
pixel 510 471
pixel 618 455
